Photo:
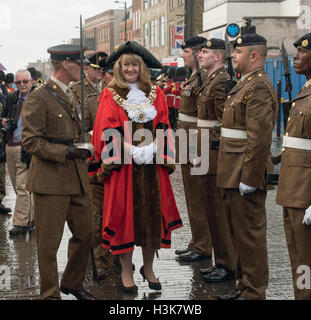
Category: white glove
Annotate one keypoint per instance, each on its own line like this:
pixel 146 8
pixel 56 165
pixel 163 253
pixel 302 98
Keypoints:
pixel 244 189
pixel 144 155
pixel 307 218
pixel 136 153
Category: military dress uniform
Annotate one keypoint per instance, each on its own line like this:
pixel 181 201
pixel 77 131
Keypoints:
pixel 211 102
pixel 295 181
pixel 200 245
pixel 248 120
pixel 60 186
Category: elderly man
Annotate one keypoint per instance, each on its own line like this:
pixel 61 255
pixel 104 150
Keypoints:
pixel 244 155
pixel 17 159
pixel 58 176
pixel 295 178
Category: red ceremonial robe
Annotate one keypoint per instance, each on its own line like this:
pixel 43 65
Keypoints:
pixel 118 222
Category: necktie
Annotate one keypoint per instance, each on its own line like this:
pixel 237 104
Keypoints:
pixel 19 108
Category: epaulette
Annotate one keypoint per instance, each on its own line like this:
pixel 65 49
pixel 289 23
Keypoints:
pixel 93 94
pixel 40 86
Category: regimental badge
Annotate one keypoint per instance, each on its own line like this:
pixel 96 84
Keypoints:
pixel 187 91
pixel 141 116
pixel 116 48
pixel 208 43
pixel 305 43
pixel 100 59
pixel 239 41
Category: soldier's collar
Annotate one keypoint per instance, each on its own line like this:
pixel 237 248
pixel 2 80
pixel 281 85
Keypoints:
pixel 60 84
pixel 308 83
pixel 248 75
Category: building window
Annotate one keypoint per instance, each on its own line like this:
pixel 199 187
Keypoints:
pixel 146 35
pixel 210 4
pixel 154 2
pixel 180 2
pixel 146 4
pixel 162 31
pixel 171 2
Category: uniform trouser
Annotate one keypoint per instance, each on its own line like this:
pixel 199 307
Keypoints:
pixel 298 238
pixel 248 225
pixel 103 257
pixel 218 223
pixel 2 181
pixel 18 171
pixel 201 237
pixel 51 212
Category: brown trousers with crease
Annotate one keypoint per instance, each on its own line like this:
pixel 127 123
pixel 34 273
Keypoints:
pixel 103 257
pixel 51 213
pixel 201 236
pixel 298 238
pixel 218 223
pixel 248 226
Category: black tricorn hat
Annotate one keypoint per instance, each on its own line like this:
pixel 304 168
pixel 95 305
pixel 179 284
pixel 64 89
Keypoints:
pixel 251 39
pixel 304 41
pixel 66 52
pixel 93 59
pixel 134 47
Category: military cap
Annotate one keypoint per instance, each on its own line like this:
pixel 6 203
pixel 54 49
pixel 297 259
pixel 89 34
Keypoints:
pixel 193 42
pixel 93 59
pixel 135 48
pixel 214 44
pixel 105 66
pixel 65 52
pixel 304 41
pixel 251 39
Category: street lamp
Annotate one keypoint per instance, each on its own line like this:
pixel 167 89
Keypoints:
pixel 125 17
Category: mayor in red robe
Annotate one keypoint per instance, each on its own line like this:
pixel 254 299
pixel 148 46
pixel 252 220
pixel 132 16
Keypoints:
pixel 139 204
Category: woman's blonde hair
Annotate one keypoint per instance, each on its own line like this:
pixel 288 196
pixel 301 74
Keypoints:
pixel 143 76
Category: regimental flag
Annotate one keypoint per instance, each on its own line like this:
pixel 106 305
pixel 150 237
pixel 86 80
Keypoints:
pixel 177 39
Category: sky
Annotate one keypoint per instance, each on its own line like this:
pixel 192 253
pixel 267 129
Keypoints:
pixel 29 27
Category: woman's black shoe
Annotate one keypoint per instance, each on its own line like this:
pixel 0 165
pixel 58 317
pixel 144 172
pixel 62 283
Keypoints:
pixel 133 289
pixel 152 285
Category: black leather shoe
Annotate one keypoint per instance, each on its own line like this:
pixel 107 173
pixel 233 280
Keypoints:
pixel 230 296
pixel 4 209
pixel 133 289
pixel 219 274
pixel 101 273
pixel 203 272
pixel 182 251
pixel 82 294
pixel 17 230
pixel 152 285
pixel 192 256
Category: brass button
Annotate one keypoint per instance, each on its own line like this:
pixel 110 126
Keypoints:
pixel 249 79
pixel 200 94
pixel 260 75
pixel 60 115
pixel 286 134
pixel 283 149
pixel 293 104
pixel 228 97
pixel 288 119
pixel 55 87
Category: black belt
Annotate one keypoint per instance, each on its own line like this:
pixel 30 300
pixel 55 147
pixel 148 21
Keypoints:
pixel 14 144
pixel 60 141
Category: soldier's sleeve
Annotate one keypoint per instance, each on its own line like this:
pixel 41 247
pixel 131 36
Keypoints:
pixel 219 98
pixel 34 135
pixel 259 126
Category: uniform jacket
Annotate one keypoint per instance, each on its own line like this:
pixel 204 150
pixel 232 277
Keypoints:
pixel 190 89
pixel 46 121
pixel 251 105
pixel 295 175
pixel 210 103
pixel 88 89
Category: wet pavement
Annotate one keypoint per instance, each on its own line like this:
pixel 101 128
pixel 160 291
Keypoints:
pixel 180 281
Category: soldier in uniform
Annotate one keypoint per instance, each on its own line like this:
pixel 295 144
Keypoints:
pixel 199 247
pixel 295 179
pixel 103 257
pixel 211 102
pixel 58 176
pixel 244 155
